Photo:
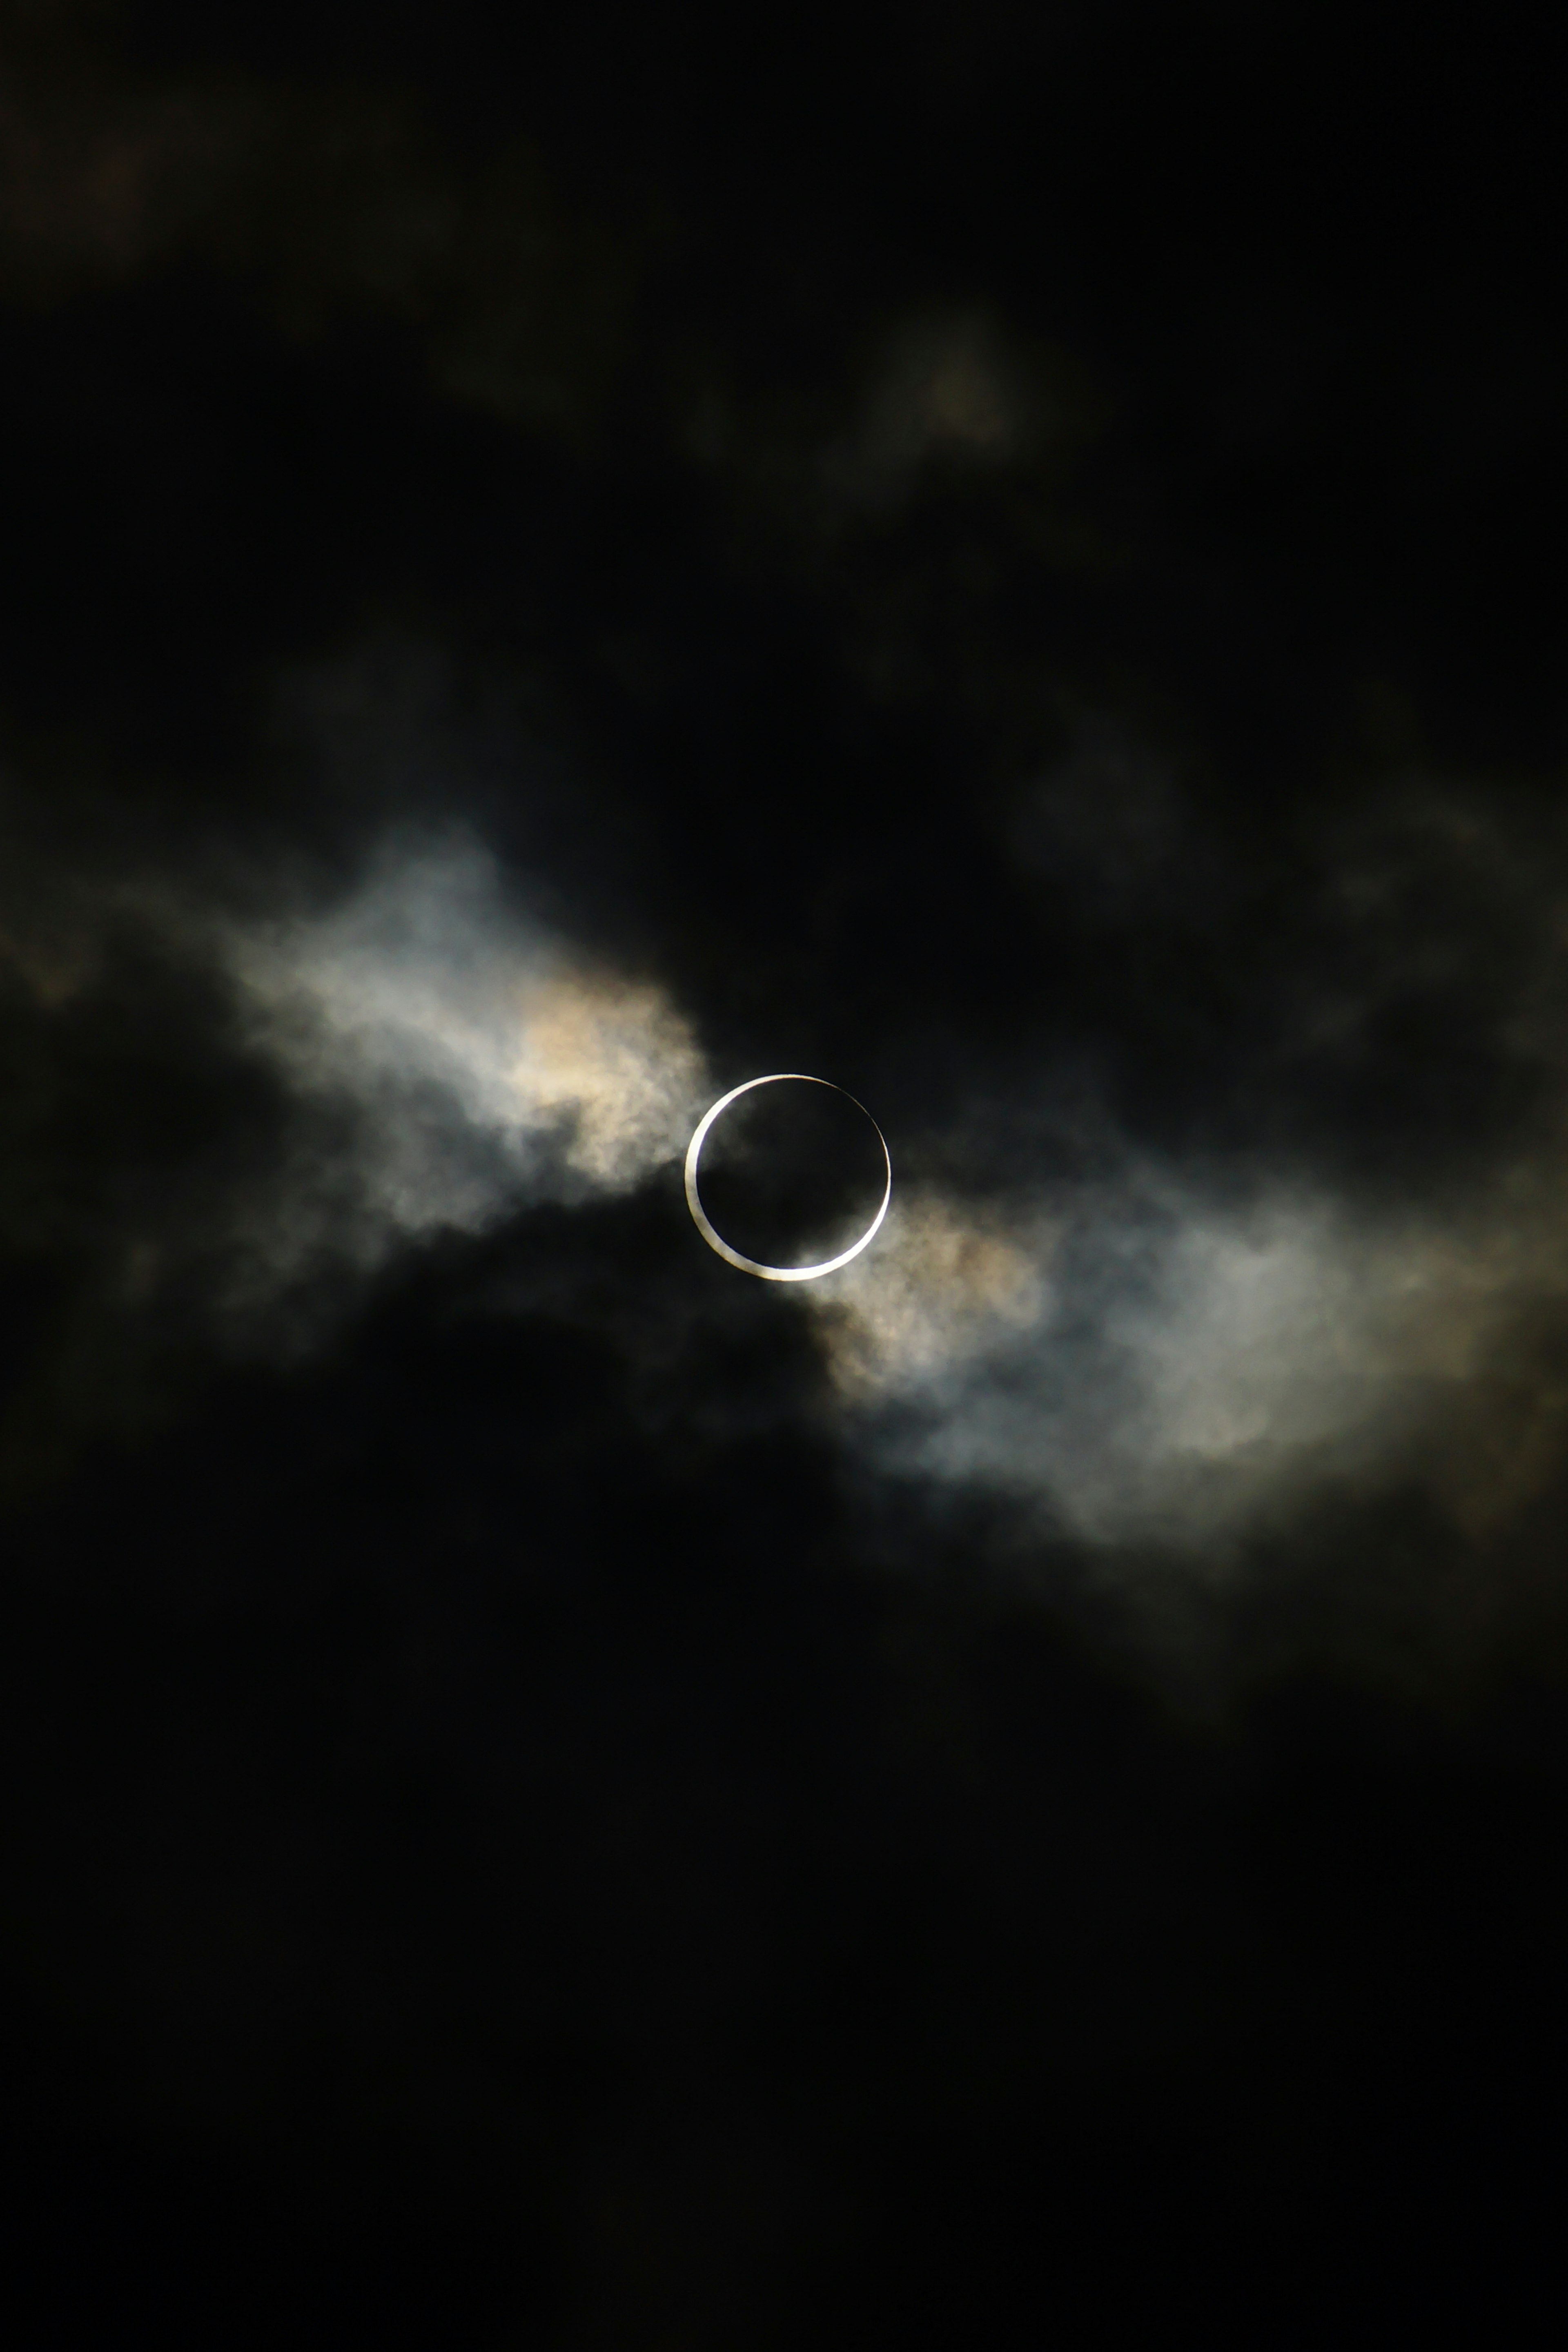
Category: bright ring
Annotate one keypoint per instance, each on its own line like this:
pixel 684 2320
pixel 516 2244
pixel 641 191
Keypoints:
pixel 716 1241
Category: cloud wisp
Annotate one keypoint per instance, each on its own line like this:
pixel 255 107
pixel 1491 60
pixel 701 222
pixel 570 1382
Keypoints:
pixel 1157 1352
pixel 1153 1355
pixel 1152 1363
pixel 483 1063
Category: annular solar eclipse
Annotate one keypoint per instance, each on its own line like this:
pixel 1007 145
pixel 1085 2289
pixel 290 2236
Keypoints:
pixel 716 1240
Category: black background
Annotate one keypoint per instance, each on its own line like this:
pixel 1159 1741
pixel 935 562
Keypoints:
pixel 488 1862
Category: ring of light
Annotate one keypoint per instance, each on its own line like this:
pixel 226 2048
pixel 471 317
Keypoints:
pixel 716 1241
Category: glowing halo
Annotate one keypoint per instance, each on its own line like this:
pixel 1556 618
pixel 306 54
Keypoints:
pixel 716 1241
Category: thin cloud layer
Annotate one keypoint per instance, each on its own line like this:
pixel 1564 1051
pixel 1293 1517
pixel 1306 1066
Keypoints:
pixel 1181 1350
pixel 1155 1364
pixel 1159 1353
pixel 484 1062
pixel 1165 1351
pixel 938 1288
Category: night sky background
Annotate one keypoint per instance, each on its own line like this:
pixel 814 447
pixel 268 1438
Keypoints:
pixel 554 1794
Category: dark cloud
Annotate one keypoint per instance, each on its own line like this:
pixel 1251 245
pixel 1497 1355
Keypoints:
pixel 554 1793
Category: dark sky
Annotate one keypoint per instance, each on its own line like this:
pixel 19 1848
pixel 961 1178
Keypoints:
pixel 554 1794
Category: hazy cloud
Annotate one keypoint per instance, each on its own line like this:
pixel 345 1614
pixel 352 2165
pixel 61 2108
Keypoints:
pixel 1157 1351
pixel 485 1062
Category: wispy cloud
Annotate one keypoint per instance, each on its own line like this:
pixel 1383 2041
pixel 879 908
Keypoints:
pixel 482 1061
pixel 1148 1360
pixel 1159 1353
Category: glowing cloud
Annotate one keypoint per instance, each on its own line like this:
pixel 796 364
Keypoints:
pixel 485 1062
pixel 1145 1362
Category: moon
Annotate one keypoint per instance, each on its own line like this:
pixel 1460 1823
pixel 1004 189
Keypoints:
pixel 716 1240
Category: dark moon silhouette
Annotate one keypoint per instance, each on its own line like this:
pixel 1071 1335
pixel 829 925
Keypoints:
pixel 793 1173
